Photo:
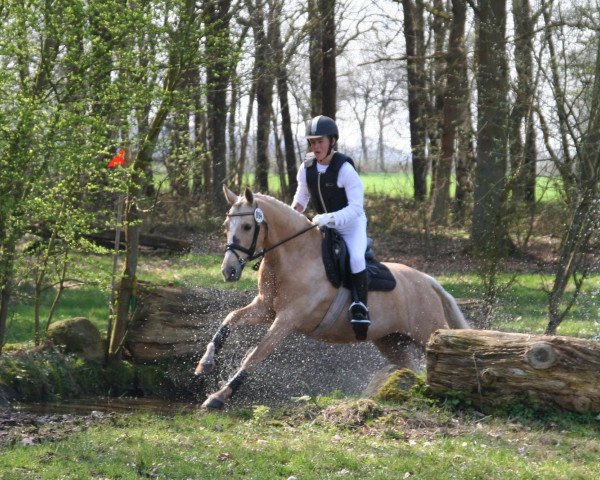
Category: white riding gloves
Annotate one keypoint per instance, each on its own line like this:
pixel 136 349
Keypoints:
pixel 324 220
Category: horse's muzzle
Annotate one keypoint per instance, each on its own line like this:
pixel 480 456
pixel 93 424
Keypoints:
pixel 231 267
pixel 231 273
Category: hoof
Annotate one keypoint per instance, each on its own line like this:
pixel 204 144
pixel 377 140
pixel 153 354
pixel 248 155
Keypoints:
pixel 213 404
pixel 204 368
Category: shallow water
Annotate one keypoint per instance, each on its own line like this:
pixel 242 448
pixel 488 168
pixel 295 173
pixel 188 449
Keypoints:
pixel 87 406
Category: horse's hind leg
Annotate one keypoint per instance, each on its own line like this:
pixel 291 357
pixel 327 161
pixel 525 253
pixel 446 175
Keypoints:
pixel 401 350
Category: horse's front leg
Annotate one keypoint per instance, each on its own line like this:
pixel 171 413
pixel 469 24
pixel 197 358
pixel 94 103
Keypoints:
pixel 274 337
pixel 254 313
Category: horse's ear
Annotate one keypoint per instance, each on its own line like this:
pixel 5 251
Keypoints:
pixel 229 195
pixel 249 195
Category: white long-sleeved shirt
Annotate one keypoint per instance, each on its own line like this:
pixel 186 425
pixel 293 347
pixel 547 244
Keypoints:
pixel 349 180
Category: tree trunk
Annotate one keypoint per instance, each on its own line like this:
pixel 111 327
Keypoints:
pixel 465 164
pixel 489 234
pixel 495 369
pixel 264 92
pixel 450 114
pixel 380 140
pixel 216 128
pixel 106 238
pixel 234 103
pixel 126 293
pixel 329 85
pixel 315 58
pixel 201 168
pixel 6 284
pixel 363 144
pixel 286 119
pixel 245 135
pixel 216 18
pixel 465 152
pixel 279 161
pixel 413 35
pixel 522 154
pixel 235 172
pixel 571 260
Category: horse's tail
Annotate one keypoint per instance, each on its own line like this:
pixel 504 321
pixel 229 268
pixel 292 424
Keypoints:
pixel 454 316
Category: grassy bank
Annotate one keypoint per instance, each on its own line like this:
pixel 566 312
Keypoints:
pixel 320 440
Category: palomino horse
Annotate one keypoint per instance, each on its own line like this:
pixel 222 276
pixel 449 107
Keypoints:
pixel 294 294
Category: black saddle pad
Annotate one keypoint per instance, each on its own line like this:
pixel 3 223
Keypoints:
pixel 337 264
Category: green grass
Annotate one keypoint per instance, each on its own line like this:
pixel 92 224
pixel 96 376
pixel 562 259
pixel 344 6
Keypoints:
pixel 91 298
pixel 400 185
pixel 90 302
pixel 225 446
pixel 523 304
pixel 193 270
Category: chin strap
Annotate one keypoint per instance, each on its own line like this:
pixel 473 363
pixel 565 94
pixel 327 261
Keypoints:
pixel 331 145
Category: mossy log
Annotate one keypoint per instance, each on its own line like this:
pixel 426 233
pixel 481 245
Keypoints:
pixel 492 369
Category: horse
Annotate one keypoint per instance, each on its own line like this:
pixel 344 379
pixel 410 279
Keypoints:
pixel 294 294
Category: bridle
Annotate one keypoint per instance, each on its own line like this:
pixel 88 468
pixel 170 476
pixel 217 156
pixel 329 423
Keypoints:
pixel 252 254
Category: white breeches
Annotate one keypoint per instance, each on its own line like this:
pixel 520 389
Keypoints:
pixel 355 235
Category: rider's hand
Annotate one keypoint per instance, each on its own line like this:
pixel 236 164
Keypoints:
pixel 324 220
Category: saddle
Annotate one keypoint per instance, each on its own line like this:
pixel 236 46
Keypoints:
pixel 337 264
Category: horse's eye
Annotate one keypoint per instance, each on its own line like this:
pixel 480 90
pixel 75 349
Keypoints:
pixel 247 227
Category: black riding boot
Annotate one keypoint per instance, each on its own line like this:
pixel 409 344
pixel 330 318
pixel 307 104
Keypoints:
pixel 359 313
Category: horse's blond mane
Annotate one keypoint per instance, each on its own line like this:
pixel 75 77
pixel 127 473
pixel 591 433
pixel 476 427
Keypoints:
pixel 279 203
pixel 266 197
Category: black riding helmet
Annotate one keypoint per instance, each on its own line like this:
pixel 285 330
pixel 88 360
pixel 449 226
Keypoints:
pixel 321 126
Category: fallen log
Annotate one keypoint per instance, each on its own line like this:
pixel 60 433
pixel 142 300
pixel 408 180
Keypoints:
pixel 106 239
pixel 493 369
pixel 172 322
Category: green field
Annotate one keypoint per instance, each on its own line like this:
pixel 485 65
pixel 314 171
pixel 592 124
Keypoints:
pixel 400 185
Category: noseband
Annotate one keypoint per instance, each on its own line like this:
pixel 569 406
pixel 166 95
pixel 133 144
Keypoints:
pixel 259 218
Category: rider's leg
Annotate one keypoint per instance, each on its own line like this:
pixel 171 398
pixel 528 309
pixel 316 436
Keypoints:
pixel 356 241
pixel 359 311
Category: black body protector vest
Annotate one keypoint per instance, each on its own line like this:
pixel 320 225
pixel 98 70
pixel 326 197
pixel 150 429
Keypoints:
pixel 325 195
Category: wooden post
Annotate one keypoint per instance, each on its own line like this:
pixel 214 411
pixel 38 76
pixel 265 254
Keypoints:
pixel 493 368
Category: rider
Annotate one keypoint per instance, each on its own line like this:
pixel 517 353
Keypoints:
pixel 330 180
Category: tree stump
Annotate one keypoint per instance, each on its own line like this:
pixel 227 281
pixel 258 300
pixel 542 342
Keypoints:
pixel 493 368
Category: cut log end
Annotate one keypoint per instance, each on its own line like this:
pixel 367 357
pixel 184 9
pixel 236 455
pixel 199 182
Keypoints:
pixel 541 356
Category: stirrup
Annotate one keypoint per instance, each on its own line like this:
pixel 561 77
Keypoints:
pixel 359 314
pixel 359 319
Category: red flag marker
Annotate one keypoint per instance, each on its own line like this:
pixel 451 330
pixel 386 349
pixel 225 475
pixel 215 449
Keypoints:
pixel 118 160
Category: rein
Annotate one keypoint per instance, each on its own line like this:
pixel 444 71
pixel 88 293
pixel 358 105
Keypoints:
pixel 252 255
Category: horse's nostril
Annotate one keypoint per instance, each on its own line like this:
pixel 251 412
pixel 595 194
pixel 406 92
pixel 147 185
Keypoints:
pixel 232 272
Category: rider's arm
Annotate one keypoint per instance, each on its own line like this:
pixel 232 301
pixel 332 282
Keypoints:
pixel 302 195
